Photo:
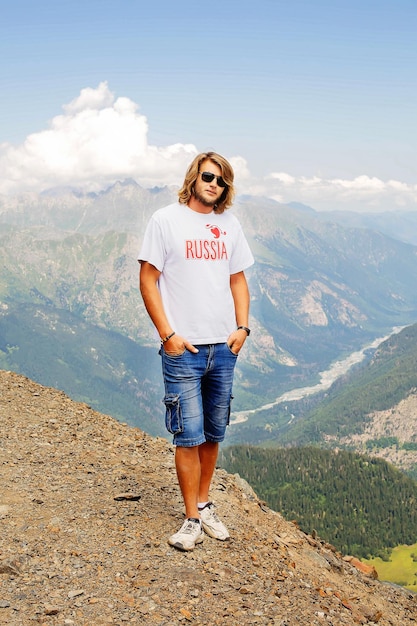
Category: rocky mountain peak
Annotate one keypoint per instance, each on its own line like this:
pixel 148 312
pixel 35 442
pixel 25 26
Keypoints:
pixel 86 507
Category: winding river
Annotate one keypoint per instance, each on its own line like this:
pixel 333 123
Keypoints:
pixel 327 378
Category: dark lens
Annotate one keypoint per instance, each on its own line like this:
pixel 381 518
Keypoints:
pixel 208 177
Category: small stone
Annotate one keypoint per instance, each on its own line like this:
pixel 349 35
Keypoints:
pixel 128 496
pixel 51 610
pixel 368 570
pixel 186 614
pixel 245 590
pixel 75 593
pixel 373 616
pixel 9 567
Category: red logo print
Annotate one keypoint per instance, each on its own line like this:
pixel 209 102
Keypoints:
pixel 215 230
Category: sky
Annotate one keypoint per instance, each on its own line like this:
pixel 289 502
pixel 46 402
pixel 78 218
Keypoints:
pixel 311 101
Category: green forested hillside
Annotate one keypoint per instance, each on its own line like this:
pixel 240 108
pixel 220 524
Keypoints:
pixel 361 505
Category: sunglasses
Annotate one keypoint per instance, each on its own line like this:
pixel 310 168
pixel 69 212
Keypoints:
pixel 208 177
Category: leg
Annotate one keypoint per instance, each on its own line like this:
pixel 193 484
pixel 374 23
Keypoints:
pixel 184 419
pixel 208 452
pixel 195 467
pixel 187 463
pixel 210 522
pixel 216 394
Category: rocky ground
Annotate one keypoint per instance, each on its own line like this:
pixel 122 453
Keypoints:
pixel 87 505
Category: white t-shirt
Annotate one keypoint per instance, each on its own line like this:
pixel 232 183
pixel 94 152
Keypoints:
pixel 196 253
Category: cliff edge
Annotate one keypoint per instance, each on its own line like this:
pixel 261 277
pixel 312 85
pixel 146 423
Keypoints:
pixel 87 505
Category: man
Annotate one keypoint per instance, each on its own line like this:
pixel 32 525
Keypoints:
pixel 193 285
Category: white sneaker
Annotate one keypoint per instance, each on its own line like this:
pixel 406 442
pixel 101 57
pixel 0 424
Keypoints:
pixel 211 523
pixel 188 535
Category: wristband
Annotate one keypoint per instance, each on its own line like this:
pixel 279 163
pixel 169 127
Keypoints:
pixel 244 328
pixel 165 339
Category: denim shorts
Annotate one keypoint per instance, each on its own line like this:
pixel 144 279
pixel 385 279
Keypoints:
pixel 198 393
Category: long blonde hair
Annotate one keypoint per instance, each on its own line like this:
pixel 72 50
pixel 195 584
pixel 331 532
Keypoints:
pixel 187 189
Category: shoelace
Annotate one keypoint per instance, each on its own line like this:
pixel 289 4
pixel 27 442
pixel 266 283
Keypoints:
pixel 189 529
pixel 213 514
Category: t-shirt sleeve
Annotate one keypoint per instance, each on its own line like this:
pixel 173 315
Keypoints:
pixel 153 248
pixel 242 257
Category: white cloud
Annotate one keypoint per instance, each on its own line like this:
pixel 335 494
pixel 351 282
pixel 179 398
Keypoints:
pixel 99 139
pixel 282 177
pixel 90 98
pixel 362 193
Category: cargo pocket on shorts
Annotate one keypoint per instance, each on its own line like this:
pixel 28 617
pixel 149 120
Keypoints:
pixel 173 415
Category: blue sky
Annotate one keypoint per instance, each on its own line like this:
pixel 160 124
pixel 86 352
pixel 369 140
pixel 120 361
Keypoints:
pixel 311 101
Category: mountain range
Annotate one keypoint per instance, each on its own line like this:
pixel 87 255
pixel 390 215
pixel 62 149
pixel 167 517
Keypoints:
pixel 71 315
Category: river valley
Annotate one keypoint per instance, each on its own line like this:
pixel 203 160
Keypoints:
pixel 327 378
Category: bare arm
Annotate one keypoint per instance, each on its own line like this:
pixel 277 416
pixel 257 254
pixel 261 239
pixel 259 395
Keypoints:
pixel 241 299
pixel 148 284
